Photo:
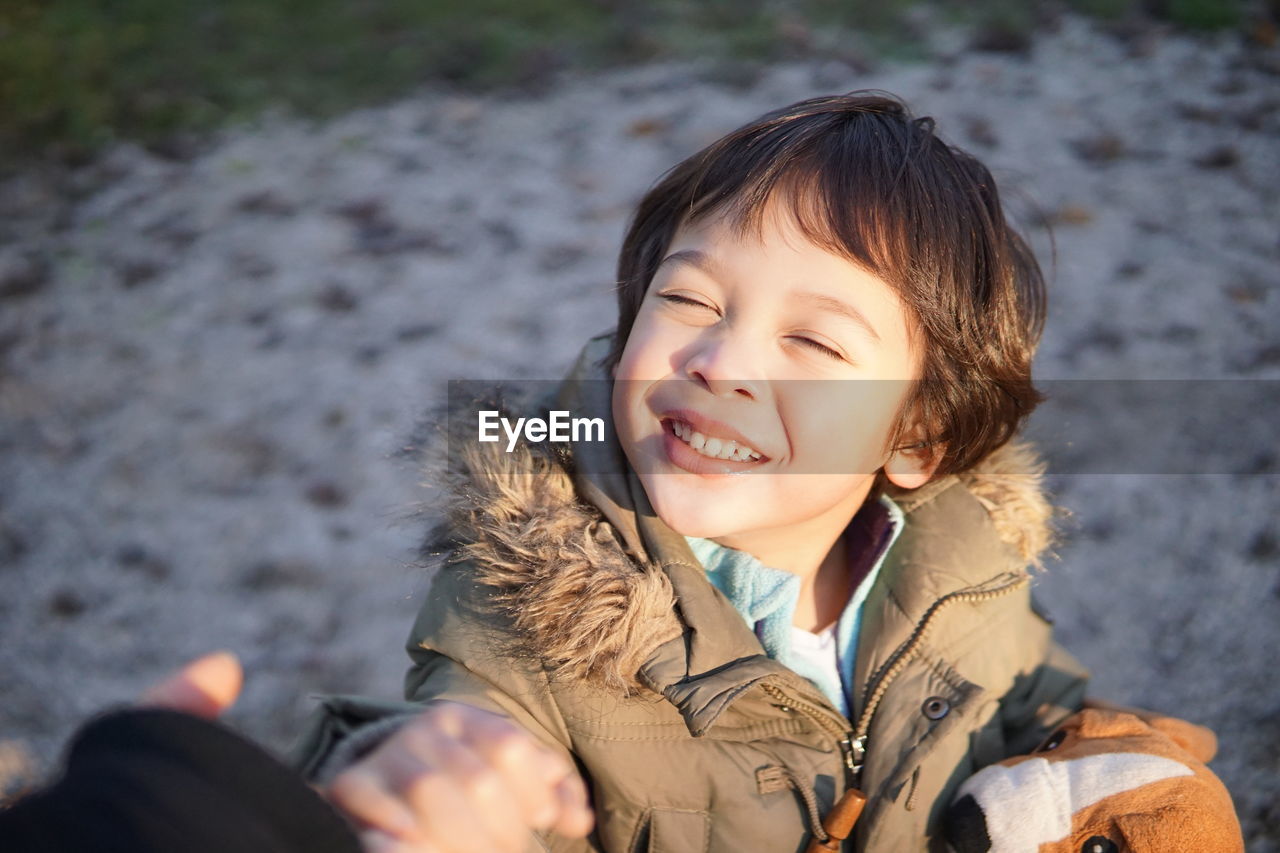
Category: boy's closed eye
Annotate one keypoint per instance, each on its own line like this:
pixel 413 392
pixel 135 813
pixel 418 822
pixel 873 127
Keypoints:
pixel 818 346
pixel 804 340
pixel 681 299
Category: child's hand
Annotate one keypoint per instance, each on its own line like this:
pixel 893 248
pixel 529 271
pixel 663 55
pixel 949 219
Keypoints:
pixel 457 779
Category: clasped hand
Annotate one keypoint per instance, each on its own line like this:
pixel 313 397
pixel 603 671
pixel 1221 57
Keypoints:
pixel 454 779
pixel 458 779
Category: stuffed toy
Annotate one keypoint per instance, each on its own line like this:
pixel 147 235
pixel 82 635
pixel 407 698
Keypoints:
pixel 1109 780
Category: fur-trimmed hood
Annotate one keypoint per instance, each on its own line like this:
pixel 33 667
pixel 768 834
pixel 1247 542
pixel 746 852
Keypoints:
pixel 565 543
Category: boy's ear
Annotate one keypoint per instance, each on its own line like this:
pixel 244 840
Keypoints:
pixel 911 464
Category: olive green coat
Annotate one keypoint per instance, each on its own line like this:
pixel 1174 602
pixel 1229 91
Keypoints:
pixel 569 606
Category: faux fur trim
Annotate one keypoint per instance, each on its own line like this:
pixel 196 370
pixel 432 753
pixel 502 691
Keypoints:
pixel 1010 484
pixel 557 569
pixel 576 599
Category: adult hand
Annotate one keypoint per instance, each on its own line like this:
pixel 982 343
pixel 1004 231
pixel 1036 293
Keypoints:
pixel 457 779
pixel 205 687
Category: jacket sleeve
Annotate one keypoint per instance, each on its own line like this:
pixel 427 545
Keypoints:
pixel 345 728
pixel 459 653
pixel 463 649
pixel 1040 701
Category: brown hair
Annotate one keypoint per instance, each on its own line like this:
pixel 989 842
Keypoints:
pixel 870 182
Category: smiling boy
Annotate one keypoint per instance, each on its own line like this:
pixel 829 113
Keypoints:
pixel 768 343
pixel 795 572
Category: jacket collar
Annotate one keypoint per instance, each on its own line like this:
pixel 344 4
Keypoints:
pixel 627 604
pixel 767 597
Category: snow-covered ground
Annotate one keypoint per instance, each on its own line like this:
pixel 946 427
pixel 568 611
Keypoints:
pixel 208 367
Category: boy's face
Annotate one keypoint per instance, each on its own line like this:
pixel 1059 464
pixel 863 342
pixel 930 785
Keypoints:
pixel 796 354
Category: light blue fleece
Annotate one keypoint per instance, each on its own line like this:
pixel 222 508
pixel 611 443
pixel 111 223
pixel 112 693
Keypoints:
pixel 767 598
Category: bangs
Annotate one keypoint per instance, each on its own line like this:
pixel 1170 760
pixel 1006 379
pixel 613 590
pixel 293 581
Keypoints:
pixel 855 185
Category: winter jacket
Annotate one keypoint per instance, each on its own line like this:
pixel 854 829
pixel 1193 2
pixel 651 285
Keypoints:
pixel 565 603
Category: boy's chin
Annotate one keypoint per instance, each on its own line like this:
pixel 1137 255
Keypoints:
pixel 699 523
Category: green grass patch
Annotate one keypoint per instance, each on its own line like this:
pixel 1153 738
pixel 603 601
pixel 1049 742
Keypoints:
pixel 76 74
pixel 1205 14
pixel 1189 14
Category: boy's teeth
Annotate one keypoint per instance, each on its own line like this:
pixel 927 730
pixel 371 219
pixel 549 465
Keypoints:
pixel 716 448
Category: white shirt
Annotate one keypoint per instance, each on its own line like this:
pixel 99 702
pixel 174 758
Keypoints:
pixel 819 650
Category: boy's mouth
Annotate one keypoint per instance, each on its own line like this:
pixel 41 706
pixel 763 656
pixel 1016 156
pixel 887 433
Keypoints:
pixel 712 447
pixel 703 445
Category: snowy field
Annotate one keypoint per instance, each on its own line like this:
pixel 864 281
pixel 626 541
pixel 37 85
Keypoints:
pixel 209 365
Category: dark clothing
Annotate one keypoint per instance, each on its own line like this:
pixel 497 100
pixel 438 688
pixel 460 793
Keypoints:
pixel 145 780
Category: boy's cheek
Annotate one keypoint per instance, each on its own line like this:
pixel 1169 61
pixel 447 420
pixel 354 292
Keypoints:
pixel 837 428
pixel 647 363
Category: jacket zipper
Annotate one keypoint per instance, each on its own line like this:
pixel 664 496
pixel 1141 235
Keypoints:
pixel 853 744
pixel 903 655
pixel 818 715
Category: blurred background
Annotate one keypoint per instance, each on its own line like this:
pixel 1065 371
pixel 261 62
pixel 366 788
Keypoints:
pixel 244 246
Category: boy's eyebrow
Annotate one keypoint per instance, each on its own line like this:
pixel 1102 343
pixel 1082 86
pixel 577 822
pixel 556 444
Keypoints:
pixel 695 258
pixel 702 261
pixel 836 306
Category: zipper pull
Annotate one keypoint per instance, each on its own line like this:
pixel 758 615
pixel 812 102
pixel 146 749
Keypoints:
pixel 854 750
pixel 839 822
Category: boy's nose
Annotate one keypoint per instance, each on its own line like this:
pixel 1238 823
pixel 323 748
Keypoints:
pixel 727 367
